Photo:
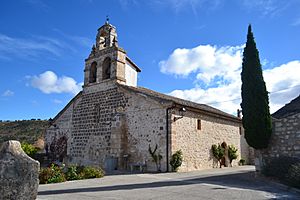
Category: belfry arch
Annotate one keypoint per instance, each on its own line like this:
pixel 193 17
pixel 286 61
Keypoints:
pixel 93 73
pixel 106 68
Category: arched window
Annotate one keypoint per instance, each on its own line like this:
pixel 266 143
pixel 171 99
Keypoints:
pixel 93 72
pixel 106 68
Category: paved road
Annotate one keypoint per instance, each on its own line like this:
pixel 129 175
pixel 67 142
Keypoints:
pixel 229 183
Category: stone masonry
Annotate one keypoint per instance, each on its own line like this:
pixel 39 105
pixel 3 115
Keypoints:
pixel 196 132
pixel 285 139
pixel 112 122
pixel 19 174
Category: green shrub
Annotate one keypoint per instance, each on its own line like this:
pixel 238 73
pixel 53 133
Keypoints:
pixel 45 174
pixel 218 152
pixel 52 174
pixel 72 173
pixel 242 161
pixel 232 153
pixel 91 172
pixel 293 175
pixel 29 149
pixel 176 160
pixel 55 174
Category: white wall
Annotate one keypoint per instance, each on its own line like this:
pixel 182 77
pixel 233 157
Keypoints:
pixel 130 75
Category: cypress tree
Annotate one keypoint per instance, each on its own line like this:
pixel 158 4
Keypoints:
pixel 255 101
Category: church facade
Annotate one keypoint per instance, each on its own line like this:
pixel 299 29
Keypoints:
pixel 112 122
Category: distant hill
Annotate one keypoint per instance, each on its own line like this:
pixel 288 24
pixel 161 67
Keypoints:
pixel 23 130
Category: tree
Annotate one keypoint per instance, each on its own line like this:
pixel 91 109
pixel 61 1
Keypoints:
pixel 218 152
pixel 255 101
pixel 232 154
pixel 156 157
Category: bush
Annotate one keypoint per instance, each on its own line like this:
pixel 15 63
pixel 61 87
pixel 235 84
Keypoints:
pixel 218 152
pixel 55 174
pixel 293 176
pixel 242 161
pixel 52 174
pixel 72 173
pixel 29 149
pixel 91 172
pixel 232 153
pixel 176 160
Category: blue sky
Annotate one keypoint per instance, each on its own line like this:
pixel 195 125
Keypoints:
pixel 187 48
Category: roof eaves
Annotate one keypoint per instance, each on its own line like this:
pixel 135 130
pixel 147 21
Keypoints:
pixel 133 64
pixel 188 104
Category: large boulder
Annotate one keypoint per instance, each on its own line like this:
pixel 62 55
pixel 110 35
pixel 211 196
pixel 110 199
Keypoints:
pixel 19 174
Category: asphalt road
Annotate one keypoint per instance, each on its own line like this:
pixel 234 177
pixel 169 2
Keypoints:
pixel 228 183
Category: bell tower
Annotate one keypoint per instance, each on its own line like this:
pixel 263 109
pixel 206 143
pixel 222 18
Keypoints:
pixel 108 62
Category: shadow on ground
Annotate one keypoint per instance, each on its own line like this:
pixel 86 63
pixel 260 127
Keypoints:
pixel 222 182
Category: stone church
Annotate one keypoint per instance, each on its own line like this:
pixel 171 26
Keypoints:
pixel 112 122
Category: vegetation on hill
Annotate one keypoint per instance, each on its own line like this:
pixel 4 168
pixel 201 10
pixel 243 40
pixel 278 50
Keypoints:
pixel 28 131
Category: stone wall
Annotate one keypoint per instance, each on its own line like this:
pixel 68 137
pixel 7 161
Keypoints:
pixel 58 135
pixel 146 121
pixel 195 142
pixel 95 134
pixel 117 65
pixel 107 124
pixel 247 152
pixel 285 139
pixel 112 127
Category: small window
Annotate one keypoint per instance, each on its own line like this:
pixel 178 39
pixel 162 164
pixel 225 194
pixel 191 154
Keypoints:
pixel 198 124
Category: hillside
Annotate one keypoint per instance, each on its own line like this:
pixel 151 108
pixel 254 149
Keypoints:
pixel 23 130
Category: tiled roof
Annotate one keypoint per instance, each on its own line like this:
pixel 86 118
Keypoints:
pixel 201 107
pixel 289 109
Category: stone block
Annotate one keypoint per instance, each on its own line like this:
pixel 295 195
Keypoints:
pixel 19 174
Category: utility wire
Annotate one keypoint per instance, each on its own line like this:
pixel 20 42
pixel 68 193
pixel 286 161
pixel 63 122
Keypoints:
pixel 211 103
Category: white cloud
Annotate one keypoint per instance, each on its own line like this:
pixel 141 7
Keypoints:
pixel 8 93
pixel 74 39
pixel 28 48
pixel 267 7
pixel 57 101
pixel 48 82
pixel 176 6
pixel 37 46
pixel 284 83
pixel 296 22
pixel 206 60
pixel 126 3
pixel 219 69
